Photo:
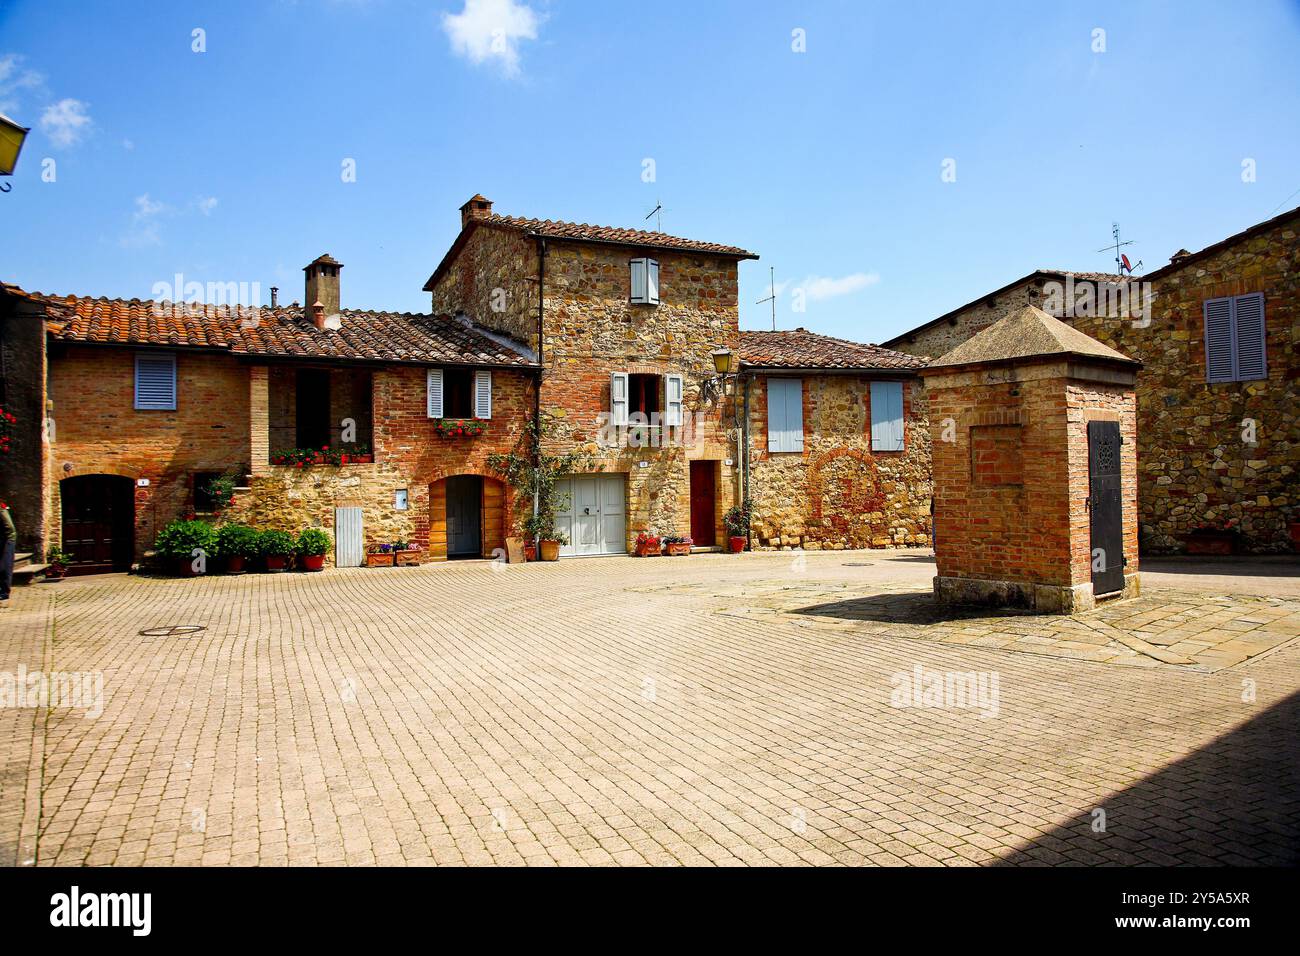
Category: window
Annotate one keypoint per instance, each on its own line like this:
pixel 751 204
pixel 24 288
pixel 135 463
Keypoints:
pixel 459 393
pixel 643 395
pixel 886 416
pixel 784 414
pixel 1234 339
pixel 645 281
pixel 155 382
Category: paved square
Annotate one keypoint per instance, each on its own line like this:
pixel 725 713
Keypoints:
pixel 622 711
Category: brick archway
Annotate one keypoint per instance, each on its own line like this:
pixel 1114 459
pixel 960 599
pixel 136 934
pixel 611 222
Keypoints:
pixel 858 495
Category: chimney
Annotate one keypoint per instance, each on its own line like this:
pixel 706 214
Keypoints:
pixel 1180 254
pixel 275 296
pixel 318 314
pixel 476 208
pixel 323 284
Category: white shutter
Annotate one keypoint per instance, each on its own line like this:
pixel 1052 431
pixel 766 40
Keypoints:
pixel 784 414
pixel 1218 340
pixel 155 382
pixel 886 416
pixel 673 392
pixel 652 281
pixel 618 398
pixel 1248 323
pixel 639 291
pixel 483 394
pixel 435 393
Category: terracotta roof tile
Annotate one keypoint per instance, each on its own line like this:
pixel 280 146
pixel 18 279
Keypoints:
pixel 582 232
pixel 803 349
pixel 284 332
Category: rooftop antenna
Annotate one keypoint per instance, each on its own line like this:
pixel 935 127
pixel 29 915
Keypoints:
pixel 771 270
pixel 657 212
pixel 1122 265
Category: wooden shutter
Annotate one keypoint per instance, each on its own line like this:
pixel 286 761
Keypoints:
pixel 652 282
pixel 784 414
pixel 483 394
pixel 1218 341
pixel 155 382
pixel 886 416
pixel 639 293
pixel 673 397
pixel 435 393
pixel 618 398
pixel 1248 329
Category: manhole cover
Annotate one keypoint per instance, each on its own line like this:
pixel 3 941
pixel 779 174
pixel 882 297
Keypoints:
pixel 173 630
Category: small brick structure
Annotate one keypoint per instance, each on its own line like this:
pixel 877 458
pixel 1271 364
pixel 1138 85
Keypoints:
pixel 1022 516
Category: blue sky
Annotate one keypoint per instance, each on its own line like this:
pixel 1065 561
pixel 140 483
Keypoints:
pixel 226 165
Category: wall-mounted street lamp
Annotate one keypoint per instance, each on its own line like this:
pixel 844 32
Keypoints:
pixel 11 143
pixel 724 361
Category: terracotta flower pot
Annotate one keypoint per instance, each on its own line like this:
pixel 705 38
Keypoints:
pixel 737 544
pixel 276 562
pixel 407 559
pixel 677 548
pixel 550 550
pixel 312 562
pixel 530 551
pixel 185 568
pixel 380 560
pixel 648 548
pixel 234 565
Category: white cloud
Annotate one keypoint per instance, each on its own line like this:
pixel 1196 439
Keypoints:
pixel 144 229
pixel 14 80
pixel 66 122
pixel 206 204
pixel 828 287
pixel 491 30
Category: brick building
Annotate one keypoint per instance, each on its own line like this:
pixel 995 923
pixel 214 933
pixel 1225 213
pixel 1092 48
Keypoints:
pixel 1218 441
pixel 840 445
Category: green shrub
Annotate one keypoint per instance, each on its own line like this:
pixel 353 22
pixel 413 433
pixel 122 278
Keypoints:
pixel 238 541
pixel 179 540
pixel 275 543
pixel 313 541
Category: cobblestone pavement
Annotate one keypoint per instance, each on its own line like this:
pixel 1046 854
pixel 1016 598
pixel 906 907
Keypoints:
pixel 611 711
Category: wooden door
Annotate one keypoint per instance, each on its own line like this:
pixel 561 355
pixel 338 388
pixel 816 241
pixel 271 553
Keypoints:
pixel 704 503
pixel 464 516
pixel 98 523
pixel 1106 508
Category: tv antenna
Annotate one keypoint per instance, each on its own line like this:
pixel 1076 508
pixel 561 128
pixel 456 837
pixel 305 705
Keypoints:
pixel 657 212
pixel 771 271
pixel 1122 265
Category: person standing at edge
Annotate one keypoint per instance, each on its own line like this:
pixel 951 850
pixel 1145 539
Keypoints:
pixel 8 541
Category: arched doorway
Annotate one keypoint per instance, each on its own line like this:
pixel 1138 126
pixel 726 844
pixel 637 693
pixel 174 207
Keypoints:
pixel 98 523
pixel 467 516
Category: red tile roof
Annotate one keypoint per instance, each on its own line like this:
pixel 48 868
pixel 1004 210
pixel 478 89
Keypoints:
pixel 399 337
pixel 803 349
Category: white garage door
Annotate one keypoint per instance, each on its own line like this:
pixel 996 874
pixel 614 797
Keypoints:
pixel 595 518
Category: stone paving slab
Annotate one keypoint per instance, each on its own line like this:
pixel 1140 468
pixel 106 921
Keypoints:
pixel 604 712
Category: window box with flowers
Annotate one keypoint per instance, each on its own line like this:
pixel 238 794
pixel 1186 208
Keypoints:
pixel 676 545
pixel 406 554
pixel 647 545
pixel 459 427
pixel 379 556
pixel 306 457
pixel 357 455
pixel 1213 537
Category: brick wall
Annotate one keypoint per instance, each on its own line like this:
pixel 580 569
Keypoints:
pixel 22 393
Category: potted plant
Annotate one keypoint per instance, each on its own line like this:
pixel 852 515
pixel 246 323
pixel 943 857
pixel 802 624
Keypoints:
pixel 275 546
pixel 647 545
pixel 56 564
pixel 379 556
pixel 311 547
pixel 676 545
pixel 236 544
pixel 530 550
pixel 736 521
pixel 359 455
pixel 407 554
pixel 187 545
pixel 459 427
pixel 1215 536
pixel 533 474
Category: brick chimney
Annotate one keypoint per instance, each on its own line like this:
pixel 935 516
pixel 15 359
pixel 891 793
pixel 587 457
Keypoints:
pixel 318 314
pixel 323 285
pixel 476 208
pixel 1180 254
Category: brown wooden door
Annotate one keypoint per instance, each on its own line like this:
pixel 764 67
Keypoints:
pixel 98 523
pixel 704 503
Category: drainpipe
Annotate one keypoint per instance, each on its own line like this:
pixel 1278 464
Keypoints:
pixel 742 453
pixel 541 360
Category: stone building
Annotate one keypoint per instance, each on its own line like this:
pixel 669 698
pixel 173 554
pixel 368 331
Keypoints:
pixel 839 443
pixel 148 401
pixel 1218 441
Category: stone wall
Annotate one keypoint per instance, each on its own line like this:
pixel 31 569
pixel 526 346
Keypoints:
pixel 838 493
pixel 493 280
pixel 1196 464
pixel 22 394
pixel 957 328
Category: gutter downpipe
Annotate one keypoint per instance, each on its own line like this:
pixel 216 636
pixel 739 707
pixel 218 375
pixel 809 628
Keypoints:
pixel 541 361
pixel 743 454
